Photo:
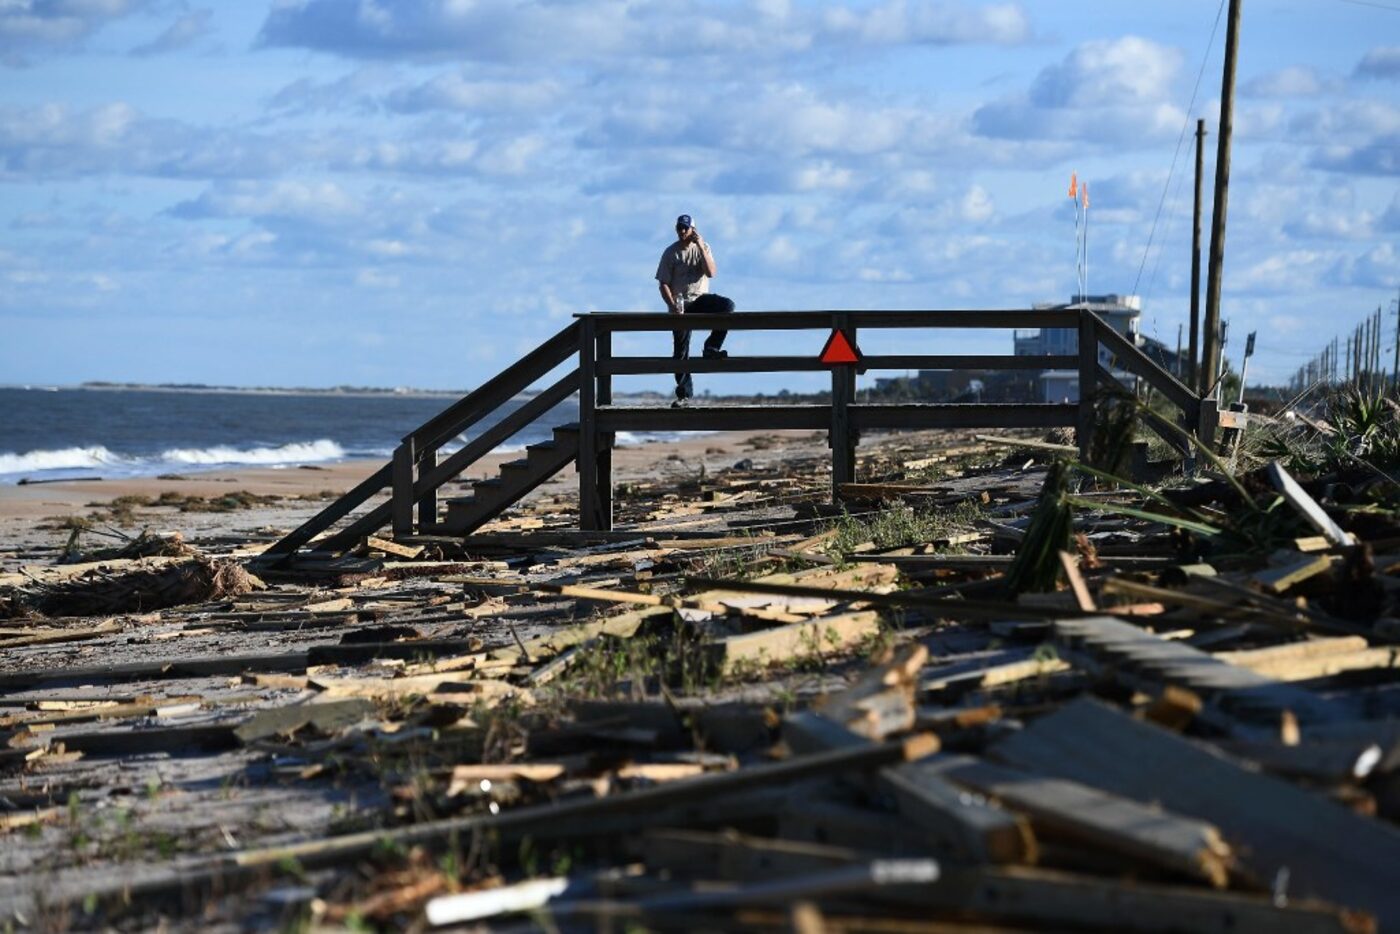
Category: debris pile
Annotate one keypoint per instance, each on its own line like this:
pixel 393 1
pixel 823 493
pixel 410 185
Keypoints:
pixel 999 689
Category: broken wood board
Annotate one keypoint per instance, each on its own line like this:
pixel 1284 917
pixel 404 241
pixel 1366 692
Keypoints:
pixel 814 638
pixel 1110 822
pixel 1235 697
pixel 1327 851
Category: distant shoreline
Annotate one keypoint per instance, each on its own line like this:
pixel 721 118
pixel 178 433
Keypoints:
pixel 350 392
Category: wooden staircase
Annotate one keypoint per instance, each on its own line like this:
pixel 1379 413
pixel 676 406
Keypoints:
pixel 515 480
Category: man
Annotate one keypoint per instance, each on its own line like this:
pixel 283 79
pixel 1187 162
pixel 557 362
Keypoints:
pixel 684 275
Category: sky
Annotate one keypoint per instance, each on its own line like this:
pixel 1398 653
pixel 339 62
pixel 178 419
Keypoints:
pixel 416 192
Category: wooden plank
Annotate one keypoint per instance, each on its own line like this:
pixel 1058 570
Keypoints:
pixel 824 635
pixel 490 395
pixel 1088 374
pixel 331 514
pixel 976 318
pixel 1049 900
pixel 1326 850
pixel 1030 442
pixel 695 854
pixel 401 500
pixel 1103 820
pixel 630 366
pixel 956 826
pixel 1140 659
pixel 373 543
pixel 864 416
pixel 571 817
pixel 1308 507
pixel 1302 567
pixel 1130 358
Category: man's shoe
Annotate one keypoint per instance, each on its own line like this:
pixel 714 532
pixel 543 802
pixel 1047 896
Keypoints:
pixel 678 404
pixel 711 354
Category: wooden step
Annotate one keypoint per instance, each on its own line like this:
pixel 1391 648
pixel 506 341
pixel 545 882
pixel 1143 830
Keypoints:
pixel 516 479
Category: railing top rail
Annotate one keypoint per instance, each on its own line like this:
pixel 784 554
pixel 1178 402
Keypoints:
pixel 821 319
pixel 457 417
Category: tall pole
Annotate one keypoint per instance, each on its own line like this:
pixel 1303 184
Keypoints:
pixel 1178 351
pixel 1194 346
pixel 1211 357
pixel 1395 367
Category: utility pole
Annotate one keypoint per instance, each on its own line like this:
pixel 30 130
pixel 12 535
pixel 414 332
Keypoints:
pixel 1395 368
pixel 1193 369
pixel 1211 358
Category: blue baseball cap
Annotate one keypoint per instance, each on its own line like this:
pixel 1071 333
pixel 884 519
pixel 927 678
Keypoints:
pixel 684 221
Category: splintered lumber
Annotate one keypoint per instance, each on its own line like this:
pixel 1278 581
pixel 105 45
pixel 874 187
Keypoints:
pixel 646 599
pixel 697 854
pixel 564 818
pixel 150 671
pixel 49 636
pixel 1307 507
pixel 1327 851
pixel 375 543
pixel 1028 443
pixel 1317 658
pixel 824 635
pixel 1143 660
pixel 1178 844
pixel 1300 568
pixel 1053 900
pixel 956 825
pixel 325 716
pixel 991 676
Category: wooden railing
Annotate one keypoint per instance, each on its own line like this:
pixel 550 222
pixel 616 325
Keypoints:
pixel 415 473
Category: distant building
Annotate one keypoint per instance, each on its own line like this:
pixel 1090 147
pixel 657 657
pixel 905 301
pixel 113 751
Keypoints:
pixel 1123 313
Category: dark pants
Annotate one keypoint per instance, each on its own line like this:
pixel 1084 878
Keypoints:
pixel 680 349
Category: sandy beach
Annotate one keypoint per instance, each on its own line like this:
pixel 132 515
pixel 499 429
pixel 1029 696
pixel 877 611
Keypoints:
pixel 28 511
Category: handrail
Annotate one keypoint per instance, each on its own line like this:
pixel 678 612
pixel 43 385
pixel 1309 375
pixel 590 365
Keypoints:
pixel 487 397
pixel 635 366
pixel 1134 360
pixel 415 474
pixel 460 460
pixel 613 321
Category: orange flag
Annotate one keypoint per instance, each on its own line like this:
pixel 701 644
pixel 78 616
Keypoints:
pixel 1074 184
pixel 1086 196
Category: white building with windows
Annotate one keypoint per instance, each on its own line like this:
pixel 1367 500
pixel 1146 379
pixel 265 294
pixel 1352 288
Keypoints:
pixel 1123 313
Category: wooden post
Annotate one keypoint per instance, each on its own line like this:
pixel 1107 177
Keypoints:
pixel 605 442
pixel 589 511
pixel 1088 375
pixel 402 497
pixel 1210 359
pixel 428 501
pixel 843 391
pixel 1193 378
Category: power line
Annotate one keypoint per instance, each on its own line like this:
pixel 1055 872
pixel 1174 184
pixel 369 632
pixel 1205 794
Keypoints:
pixel 1379 6
pixel 1210 44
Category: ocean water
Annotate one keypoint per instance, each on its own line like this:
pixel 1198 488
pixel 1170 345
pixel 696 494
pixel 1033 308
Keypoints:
pixel 60 433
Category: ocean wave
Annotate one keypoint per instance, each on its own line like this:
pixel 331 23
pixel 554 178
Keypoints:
pixel 303 452
pixel 68 462
pixel 62 459
pixel 633 438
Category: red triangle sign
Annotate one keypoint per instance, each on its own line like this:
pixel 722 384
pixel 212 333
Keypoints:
pixel 839 349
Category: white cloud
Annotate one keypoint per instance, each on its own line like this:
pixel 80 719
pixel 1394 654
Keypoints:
pixel 184 32
pixel 543 31
pixel 307 201
pixel 34 25
pixel 1292 82
pixel 1109 73
pixel 1380 63
pixel 1114 91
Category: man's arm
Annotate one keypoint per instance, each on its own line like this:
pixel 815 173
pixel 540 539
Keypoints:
pixel 668 298
pixel 706 255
